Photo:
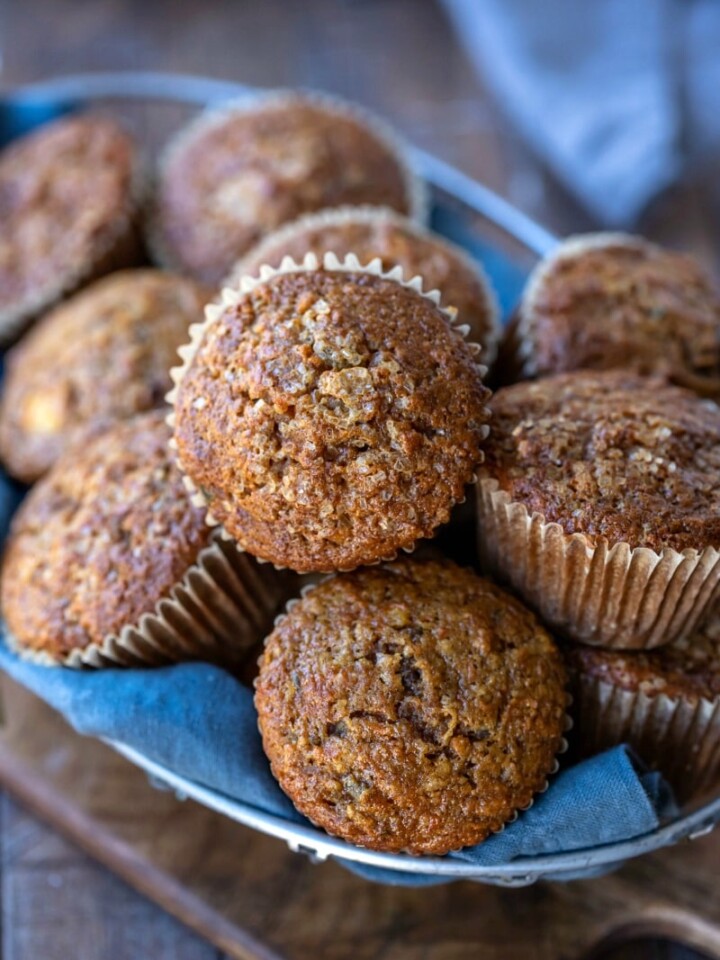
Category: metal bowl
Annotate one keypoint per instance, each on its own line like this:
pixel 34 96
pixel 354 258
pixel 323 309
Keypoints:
pixel 508 242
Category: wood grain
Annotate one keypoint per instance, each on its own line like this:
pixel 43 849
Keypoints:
pixel 400 58
pixel 57 902
pixel 255 899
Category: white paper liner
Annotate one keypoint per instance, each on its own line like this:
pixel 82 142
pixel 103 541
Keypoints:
pixel 221 609
pixel 609 596
pixel 416 189
pixel 679 737
pixel 116 247
pixel 314 580
pixel 231 297
pixel 367 214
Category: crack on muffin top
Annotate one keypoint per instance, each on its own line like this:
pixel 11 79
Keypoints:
pixel 630 305
pixel 425 706
pixel 611 454
pixel 331 418
pixel 100 540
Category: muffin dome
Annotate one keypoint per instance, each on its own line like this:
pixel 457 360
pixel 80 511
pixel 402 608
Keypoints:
pixel 103 355
pixel 611 455
pixel 688 669
pixel 412 707
pixel 99 541
pixel 329 417
pixel 239 172
pixel 371 232
pixel 68 196
pixel 608 300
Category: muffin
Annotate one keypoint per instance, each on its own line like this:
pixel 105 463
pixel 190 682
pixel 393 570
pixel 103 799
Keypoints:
pixel 328 416
pixel 609 300
pixel 103 355
pixel 411 707
pixel 665 703
pixel 68 205
pixel 107 563
pixel 599 500
pixel 371 232
pixel 237 173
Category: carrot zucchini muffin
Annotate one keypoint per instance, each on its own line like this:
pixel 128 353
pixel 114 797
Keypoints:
pixel 329 417
pixel 665 703
pixel 371 232
pixel 237 173
pixel 411 707
pixel 68 202
pixel 600 501
pixel 101 356
pixel 610 300
pixel 108 563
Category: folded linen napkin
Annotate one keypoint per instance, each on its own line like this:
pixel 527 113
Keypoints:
pixel 200 722
pixel 619 97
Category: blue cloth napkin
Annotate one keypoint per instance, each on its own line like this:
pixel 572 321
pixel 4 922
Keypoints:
pixel 618 96
pixel 200 722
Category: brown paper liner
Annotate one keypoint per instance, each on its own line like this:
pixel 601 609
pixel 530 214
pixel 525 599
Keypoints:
pixel 231 297
pixel 681 738
pixel 369 214
pixel 416 189
pixel 609 596
pixel 117 247
pixel 223 607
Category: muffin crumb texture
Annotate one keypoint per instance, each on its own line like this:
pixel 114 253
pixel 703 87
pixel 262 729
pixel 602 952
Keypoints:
pixel 620 302
pixel 100 540
pixel 412 707
pixel 371 232
pixel 234 178
pixel 688 669
pixel 330 419
pixel 101 356
pixel 613 455
pixel 65 191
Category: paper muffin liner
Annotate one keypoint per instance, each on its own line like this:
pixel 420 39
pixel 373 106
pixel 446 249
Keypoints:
pixel 520 347
pixel 416 189
pixel 367 214
pixel 315 579
pixel 679 737
pixel 231 297
pixel 221 609
pixel 610 596
pixel 118 246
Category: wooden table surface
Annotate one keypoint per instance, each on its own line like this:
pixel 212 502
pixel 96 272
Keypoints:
pixel 396 56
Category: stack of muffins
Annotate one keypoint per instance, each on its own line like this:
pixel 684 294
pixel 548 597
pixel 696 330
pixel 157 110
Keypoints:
pixel 329 413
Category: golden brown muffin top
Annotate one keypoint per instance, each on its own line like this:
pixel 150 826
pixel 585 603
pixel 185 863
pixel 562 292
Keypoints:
pixel 611 454
pixel 608 301
pixel 330 418
pixel 370 232
pixel 101 356
pixel 237 175
pixel 63 191
pixel 99 540
pixel 688 669
pixel 412 707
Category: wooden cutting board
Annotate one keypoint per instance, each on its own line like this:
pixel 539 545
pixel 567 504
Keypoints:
pixel 253 898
